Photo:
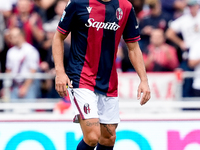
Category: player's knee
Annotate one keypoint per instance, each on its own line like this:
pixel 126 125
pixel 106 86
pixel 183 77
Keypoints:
pixel 92 139
pixel 112 139
pixel 108 140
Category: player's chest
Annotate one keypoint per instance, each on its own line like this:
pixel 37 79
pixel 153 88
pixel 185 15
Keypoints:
pixel 99 12
pixel 99 16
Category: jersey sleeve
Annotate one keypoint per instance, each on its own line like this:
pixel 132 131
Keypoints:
pixel 66 22
pixel 131 32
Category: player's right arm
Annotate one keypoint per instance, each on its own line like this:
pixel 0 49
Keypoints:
pixel 64 27
pixel 61 79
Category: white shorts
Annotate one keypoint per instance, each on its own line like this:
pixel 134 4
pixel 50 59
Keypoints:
pixel 89 105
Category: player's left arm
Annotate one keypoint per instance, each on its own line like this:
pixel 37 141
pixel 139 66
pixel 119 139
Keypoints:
pixel 136 58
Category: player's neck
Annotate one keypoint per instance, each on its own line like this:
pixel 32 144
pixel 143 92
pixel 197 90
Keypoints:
pixel 106 0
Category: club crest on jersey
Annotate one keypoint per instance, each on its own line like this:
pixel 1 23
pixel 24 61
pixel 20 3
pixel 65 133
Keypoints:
pixel 119 13
pixel 86 108
pixel 63 15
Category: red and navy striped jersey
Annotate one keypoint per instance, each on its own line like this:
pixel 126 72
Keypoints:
pixel 96 29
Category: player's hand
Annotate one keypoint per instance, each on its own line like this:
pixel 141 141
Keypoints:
pixel 143 88
pixel 61 83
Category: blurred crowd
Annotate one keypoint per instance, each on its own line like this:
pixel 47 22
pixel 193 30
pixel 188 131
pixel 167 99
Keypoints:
pixel 170 31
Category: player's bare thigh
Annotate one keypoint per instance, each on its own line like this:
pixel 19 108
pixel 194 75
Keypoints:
pixel 108 134
pixel 91 130
pixel 94 132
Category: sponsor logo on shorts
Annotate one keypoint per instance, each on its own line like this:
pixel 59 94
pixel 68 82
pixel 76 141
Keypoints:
pixel 87 108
